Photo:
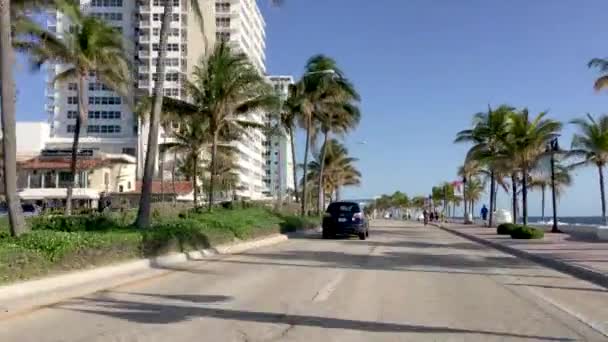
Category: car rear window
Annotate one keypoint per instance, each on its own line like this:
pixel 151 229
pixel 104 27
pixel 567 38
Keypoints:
pixel 343 208
pixel 28 208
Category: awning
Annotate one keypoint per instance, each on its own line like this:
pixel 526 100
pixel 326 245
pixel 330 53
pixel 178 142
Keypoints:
pixel 58 193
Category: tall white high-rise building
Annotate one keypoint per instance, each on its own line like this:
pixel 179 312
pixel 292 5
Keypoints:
pixel 279 158
pixel 240 23
pixel 112 126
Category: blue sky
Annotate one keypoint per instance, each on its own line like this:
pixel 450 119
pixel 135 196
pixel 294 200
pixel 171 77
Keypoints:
pixel 423 67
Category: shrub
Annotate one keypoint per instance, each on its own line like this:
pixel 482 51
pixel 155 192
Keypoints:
pixel 523 232
pixel 76 223
pixel 292 223
pixel 59 243
pixel 505 228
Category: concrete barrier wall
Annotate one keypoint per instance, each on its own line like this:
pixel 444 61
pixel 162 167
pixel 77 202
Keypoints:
pixel 581 231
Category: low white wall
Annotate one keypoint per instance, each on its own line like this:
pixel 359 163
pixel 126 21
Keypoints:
pixel 595 232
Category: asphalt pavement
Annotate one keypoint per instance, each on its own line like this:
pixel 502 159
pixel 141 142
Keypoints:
pixel 405 283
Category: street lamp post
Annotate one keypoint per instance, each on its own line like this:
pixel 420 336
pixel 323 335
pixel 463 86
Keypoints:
pixel 554 145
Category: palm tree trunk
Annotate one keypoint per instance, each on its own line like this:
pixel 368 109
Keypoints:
pixel 294 163
pixel 173 177
pixel 543 203
pixel 514 195
pixel 524 194
pixel 195 179
pixel 492 198
pixel 321 167
pixel 602 193
pixel 143 214
pixel 213 168
pixel 473 208
pixel 464 197
pixel 7 113
pixel 305 173
pixel 80 120
pixel 162 170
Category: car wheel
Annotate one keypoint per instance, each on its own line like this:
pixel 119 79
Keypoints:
pixel 367 233
pixel 362 236
pixel 326 235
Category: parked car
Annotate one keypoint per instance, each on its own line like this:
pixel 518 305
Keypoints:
pixel 30 209
pixel 345 218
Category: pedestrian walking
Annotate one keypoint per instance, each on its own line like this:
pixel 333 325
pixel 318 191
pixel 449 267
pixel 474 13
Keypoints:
pixel 425 215
pixel 484 213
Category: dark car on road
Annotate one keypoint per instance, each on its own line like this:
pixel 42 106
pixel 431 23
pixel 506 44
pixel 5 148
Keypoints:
pixel 345 218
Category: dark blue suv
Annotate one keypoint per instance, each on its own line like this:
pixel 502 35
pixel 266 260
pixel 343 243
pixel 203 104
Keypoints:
pixel 345 218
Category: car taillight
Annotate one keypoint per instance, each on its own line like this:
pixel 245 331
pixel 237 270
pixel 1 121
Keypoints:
pixel 357 216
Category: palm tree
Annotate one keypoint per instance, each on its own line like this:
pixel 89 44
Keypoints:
pixel 91 46
pixel 339 170
pixel 191 137
pixel 143 214
pixel 487 135
pixel 468 170
pixel 335 109
pixel 287 122
pixel 540 178
pixel 591 144
pixel 7 112
pixel 527 141
pixel 225 89
pixel 601 64
pixel 475 189
pixel 10 13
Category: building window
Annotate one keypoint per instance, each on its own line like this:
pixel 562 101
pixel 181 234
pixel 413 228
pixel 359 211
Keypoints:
pixel 72 100
pixel 106 3
pixel 222 7
pixel 71 128
pixel 222 36
pixel 105 100
pixel 72 86
pixel 115 16
pixel 222 22
pixel 72 114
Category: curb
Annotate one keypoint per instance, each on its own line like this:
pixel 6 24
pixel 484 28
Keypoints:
pixel 577 271
pixel 30 295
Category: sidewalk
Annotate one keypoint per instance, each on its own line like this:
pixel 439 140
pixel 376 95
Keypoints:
pixel 582 258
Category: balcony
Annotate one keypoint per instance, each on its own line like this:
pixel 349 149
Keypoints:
pixel 143 69
pixel 144 39
pixel 144 23
pixel 143 53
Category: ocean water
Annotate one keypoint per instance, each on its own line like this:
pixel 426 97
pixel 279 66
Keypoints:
pixel 575 220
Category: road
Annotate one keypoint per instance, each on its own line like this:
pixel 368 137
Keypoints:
pixel 406 283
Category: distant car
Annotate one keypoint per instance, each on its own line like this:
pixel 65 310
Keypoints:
pixel 30 210
pixel 345 218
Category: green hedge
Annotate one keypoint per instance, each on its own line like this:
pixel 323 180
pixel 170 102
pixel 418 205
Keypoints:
pixel 523 232
pixel 505 228
pixel 58 243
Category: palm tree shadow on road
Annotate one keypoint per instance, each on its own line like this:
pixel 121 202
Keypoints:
pixel 166 313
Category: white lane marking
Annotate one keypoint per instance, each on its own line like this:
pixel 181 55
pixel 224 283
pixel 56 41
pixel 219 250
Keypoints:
pixel 328 289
